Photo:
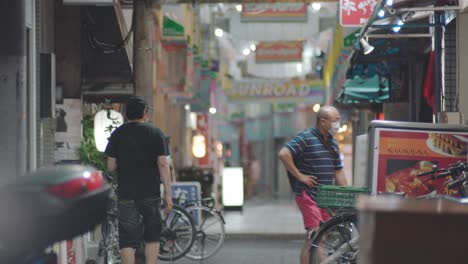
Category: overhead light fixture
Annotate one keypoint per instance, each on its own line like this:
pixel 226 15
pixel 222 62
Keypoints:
pixel 399 23
pixel 366 47
pixel 316 6
pixel 299 67
pixel 381 13
pixel 187 107
pixel 389 2
pixel 246 52
pixel 253 47
pixel 219 32
pixel 212 110
pixel 239 8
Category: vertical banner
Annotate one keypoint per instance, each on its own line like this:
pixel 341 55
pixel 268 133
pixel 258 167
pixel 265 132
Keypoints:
pixel 203 128
pixel 355 13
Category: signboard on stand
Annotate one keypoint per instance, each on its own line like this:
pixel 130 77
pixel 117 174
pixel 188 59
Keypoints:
pixel 400 151
pixel 233 187
pixel 186 191
pixel 355 13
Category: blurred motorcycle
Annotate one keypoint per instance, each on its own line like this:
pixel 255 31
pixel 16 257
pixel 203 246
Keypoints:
pixel 48 206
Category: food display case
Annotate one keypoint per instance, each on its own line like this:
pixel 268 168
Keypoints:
pixel 399 151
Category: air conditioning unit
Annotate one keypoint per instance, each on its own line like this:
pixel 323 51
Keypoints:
pixel 89 2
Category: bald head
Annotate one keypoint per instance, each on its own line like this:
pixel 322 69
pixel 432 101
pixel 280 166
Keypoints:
pixel 328 112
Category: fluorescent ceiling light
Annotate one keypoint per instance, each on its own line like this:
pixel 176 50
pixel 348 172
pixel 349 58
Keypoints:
pixel 389 2
pixel 253 47
pixel 246 52
pixel 239 8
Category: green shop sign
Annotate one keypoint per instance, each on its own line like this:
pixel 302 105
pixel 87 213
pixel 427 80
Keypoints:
pixel 171 28
pixel 351 39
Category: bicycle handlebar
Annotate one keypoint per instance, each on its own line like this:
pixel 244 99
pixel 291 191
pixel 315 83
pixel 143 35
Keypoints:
pixel 456 183
pixel 443 175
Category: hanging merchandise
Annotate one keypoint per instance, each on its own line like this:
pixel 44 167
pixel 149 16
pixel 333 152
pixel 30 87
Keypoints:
pixel 429 82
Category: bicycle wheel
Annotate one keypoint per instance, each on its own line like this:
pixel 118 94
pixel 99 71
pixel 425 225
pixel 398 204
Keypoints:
pixel 210 232
pixel 336 242
pixel 177 235
pixel 109 246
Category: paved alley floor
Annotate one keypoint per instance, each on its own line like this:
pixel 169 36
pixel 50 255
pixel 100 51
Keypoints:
pixel 254 251
pixel 266 218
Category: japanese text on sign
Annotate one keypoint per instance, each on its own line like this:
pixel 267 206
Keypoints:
pixel 356 12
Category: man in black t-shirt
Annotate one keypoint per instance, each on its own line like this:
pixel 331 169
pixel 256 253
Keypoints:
pixel 138 153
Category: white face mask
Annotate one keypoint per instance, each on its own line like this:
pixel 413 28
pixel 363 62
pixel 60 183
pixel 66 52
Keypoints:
pixel 335 127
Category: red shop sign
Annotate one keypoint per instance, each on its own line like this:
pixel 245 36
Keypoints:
pixel 355 13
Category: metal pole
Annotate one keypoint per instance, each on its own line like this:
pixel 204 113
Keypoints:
pixel 438 36
pixel 13 88
pixel 143 49
pixel 395 36
pixel 436 8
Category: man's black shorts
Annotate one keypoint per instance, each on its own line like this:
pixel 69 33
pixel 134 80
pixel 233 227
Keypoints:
pixel 132 228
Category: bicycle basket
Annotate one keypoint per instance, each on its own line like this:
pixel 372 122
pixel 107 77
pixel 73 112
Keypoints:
pixel 329 196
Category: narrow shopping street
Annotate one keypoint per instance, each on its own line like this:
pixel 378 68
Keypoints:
pixel 183 127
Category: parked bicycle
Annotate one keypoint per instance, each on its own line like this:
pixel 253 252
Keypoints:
pixel 177 235
pixel 336 241
pixel 209 225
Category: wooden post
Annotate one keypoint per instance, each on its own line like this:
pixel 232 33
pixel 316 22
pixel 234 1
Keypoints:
pixel 143 49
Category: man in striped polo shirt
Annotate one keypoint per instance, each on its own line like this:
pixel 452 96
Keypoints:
pixel 311 159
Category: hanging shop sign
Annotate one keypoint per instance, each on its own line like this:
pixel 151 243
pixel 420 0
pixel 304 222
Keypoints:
pixel 351 39
pixel 171 28
pixel 274 12
pixel 173 23
pixel 105 122
pixel 280 51
pixel 310 91
pixel 355 13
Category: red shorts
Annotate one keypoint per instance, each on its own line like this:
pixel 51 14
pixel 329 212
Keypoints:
pixel 311 213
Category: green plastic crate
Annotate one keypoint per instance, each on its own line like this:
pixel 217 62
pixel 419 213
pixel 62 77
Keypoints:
pixel 330 196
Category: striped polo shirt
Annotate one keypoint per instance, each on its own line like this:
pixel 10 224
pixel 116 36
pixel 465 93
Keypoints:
pixel 311 157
